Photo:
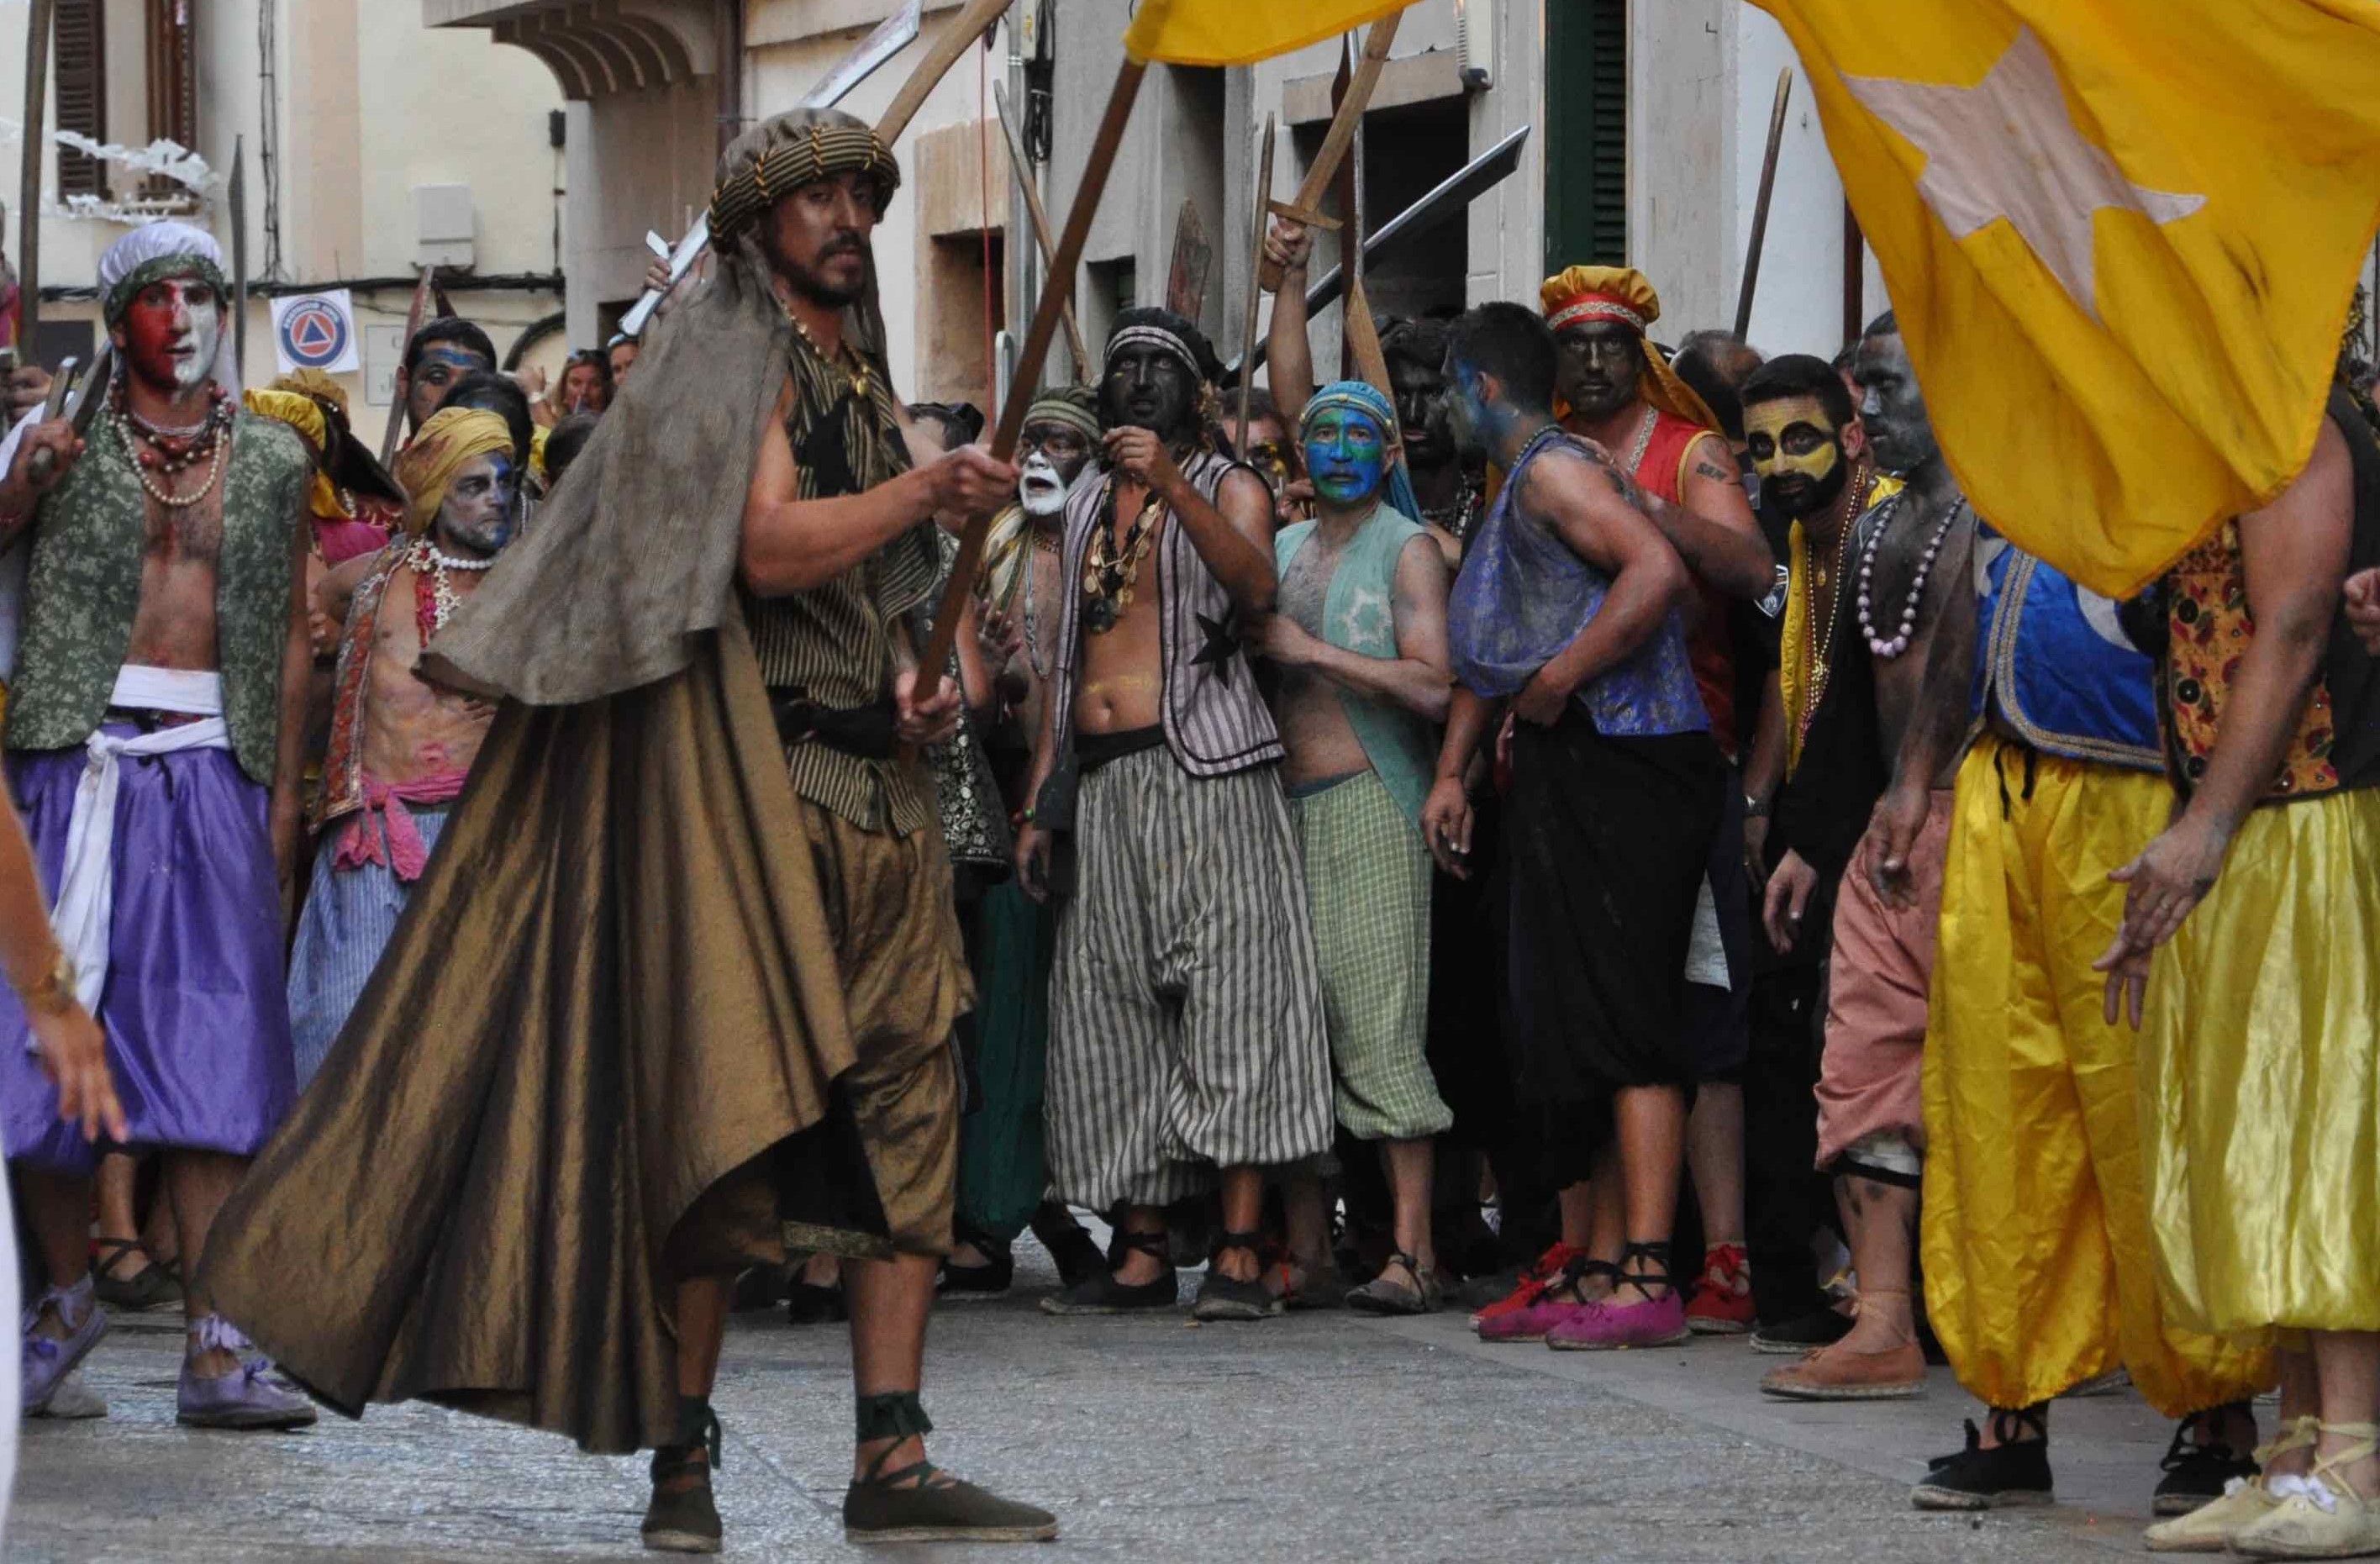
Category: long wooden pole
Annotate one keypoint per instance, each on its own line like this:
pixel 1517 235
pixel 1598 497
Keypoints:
pixel 1039 215
pixel 957 36
pixel 29 201
pixel 1257 213
pixel 1346 117
pixel 414 315
pixel 1038 339
pixel 1760 207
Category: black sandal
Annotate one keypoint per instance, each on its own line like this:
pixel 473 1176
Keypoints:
pixel 907 1504
pixel 1101 1294
pixel 154 1288
pixel 2014 1472
pixel 686 1520
pixel 1381 1296
pixel 1222 1297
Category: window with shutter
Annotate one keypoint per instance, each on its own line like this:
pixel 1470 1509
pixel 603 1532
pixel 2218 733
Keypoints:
pixel 172 83
pixel 80 62
pixel 1586 133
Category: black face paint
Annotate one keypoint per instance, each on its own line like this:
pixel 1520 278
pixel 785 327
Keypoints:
pixel 1146 387
pixel 1899 431
pixel 1600 365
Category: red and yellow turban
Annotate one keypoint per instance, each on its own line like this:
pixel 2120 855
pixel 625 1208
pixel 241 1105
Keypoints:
pixel 1621 294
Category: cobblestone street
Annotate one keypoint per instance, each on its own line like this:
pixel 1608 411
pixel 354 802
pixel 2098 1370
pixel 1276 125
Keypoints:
pixel 1318 1436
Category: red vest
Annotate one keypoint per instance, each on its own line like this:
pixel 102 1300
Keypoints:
pixel 1663 472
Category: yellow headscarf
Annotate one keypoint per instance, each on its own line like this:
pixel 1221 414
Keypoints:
pixel 315 384
pixel 440 448
pixel 302 413
pixel 1620 293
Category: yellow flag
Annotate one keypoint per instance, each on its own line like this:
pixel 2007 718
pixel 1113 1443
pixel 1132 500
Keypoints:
pixel 1239 33
pixel 2120 237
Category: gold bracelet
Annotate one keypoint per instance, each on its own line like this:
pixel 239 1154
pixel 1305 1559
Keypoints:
pixel 54 992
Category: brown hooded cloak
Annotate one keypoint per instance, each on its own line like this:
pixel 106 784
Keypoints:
pixel 608 1028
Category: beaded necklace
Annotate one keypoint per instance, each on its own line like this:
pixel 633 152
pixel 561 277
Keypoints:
pixel 1110 570
pixel 1886 649
pixel 150 448
pixel 857 373
pixel 434 598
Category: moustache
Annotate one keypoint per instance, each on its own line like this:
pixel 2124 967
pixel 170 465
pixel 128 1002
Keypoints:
pixel 845 244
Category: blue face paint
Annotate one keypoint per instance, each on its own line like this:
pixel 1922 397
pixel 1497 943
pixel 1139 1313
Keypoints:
pixel 1346 456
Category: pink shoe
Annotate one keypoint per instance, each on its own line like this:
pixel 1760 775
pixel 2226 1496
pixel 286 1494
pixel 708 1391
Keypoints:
pixel 1553 1303
pixel 1611 1325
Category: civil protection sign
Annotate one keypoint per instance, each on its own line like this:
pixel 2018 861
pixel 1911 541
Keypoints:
pixel 316 330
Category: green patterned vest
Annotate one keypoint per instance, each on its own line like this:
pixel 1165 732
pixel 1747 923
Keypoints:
pixel 83 588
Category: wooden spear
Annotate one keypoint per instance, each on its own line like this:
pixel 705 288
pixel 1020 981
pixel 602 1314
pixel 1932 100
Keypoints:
pixel 28 199
pixel 1039 215
pixel 1258 211
pixel 1038 339
pixel 1760 207
pixel 1345 121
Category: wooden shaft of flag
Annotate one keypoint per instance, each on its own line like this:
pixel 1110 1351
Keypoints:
pixel 1257 216
pixel 1760 207
pixel 1037 348
pixel 414 316
pixel 1344 122
pixel 1039 215
pixel 35 136
pixel 957 36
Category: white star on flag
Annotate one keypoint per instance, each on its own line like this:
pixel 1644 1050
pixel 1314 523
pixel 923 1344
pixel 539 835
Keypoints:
pixel 2008 148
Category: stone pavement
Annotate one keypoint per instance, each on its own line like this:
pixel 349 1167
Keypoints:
pixel 1319 1436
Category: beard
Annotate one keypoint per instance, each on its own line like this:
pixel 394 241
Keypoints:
pixel 1810 497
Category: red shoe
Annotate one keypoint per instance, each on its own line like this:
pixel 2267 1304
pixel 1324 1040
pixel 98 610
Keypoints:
pixel 1721 1304
pixel 1533 1282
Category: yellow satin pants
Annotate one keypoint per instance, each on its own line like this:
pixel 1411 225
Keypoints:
pixel 2039 1269
pixel 2260 1079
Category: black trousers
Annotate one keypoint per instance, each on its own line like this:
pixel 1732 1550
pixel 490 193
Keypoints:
pixel 1786 1201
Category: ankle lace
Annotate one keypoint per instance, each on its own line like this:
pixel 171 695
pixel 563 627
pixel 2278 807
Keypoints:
pixel 82 1295
pixel 2009 1423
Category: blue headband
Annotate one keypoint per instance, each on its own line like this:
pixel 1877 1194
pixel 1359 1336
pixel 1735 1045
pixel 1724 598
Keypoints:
pixel 1363 396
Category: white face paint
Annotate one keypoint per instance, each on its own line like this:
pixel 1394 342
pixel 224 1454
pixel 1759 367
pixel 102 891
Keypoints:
pixel 192 366
pixel 1039 488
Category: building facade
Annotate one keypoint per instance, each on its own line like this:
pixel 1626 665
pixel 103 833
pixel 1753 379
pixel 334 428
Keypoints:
pixel 1647 123
pixel 370 147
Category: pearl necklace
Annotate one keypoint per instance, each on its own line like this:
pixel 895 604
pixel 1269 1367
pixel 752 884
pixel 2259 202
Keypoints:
pixel 1886 649
pixel 430 564
pixel 122 424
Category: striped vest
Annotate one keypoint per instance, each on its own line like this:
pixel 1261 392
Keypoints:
pixel 1216 722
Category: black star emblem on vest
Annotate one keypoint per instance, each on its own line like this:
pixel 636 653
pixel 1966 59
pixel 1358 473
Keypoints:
pixel 1222 644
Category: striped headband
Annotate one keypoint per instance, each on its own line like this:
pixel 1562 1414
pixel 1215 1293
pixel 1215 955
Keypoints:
pixel 1064 410
pixel 1162 339
pixel 1597 306
pixel 819 152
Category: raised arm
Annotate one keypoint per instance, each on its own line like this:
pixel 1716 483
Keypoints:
pixel 792 544
pixel 1289 352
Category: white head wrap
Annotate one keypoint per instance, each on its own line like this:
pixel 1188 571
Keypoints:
pixel 161 241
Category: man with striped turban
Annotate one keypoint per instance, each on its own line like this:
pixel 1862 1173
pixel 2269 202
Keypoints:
pixel 1186 1029
pixel 400 745
pixel 708 914
pixel 1359 635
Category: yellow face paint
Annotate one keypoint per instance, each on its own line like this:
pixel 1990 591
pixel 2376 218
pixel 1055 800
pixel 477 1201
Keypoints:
pixel 1791 435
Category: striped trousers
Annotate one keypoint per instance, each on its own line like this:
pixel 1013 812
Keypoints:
pixel 1185 1008
pixel 348 916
